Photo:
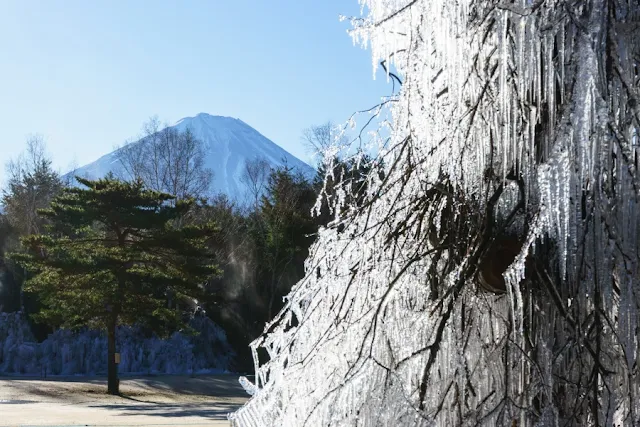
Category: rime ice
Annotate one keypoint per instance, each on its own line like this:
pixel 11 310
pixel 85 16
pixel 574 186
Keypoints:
pixel 85 353
pixel 394 331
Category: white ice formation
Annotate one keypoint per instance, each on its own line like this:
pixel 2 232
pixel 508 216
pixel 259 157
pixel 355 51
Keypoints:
pixel 389 327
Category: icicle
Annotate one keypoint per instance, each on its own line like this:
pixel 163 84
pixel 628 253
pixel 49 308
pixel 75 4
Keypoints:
pixel 396 332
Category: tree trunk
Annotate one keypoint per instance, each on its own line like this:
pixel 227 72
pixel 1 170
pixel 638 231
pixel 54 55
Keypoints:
pixel 112 368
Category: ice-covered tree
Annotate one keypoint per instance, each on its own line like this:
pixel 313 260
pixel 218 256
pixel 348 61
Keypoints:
pixel 491 275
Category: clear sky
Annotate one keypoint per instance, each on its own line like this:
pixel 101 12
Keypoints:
pixel 86 74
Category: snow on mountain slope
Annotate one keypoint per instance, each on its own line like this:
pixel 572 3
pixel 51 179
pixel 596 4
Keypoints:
pixel 229 144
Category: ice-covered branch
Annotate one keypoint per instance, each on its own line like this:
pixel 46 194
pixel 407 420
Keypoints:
pixel 489 276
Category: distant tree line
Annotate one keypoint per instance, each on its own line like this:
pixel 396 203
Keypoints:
pixel 258 249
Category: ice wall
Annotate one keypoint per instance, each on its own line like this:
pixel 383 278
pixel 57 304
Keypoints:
pixel 85 353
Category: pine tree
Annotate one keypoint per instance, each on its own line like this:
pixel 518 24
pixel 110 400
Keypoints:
pixel 284 234
pixel 115 254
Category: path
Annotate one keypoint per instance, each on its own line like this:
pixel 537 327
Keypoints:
pixel 147 401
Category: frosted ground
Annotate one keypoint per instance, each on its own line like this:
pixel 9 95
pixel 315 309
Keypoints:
pixel 151 400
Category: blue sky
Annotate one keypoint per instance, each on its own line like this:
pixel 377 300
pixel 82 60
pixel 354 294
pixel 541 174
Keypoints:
pixel 87 74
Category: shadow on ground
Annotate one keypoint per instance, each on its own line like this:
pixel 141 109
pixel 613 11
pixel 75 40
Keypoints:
pixel 227 386
pixel 206 385
pixel 165 389
pixel 180 400
pixel 216 411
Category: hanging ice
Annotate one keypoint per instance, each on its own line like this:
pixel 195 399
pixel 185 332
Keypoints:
pixel 490 277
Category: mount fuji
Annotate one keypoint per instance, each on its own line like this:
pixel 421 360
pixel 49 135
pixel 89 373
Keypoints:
pixel 229 143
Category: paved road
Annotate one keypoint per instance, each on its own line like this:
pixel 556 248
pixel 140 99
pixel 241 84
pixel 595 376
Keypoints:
pixel 146 401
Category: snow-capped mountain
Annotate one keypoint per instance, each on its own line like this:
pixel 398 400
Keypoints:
pixel 229 144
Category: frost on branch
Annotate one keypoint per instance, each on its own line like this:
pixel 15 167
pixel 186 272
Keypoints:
pixel 491 275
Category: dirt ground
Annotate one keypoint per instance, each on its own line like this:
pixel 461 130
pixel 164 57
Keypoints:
pixel 146 401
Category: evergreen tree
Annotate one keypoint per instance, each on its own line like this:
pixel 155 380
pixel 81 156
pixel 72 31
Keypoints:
pixel 114 254
pixel 284 235
pixel 31 185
